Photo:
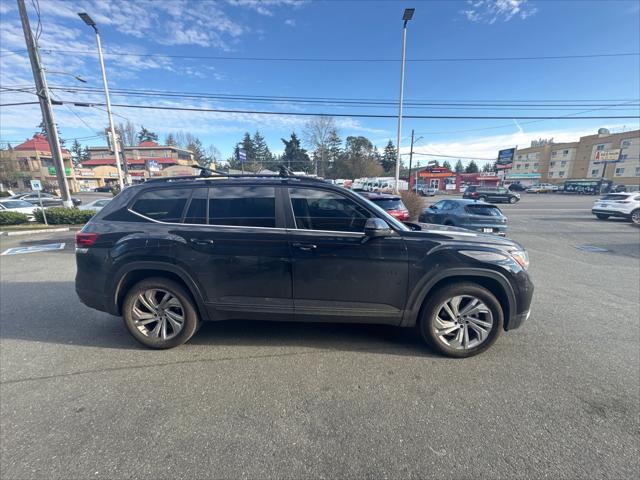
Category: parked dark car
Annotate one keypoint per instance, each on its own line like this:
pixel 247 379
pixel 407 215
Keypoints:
pixel 517 187
pixel 48 200
pixel 105 188
pixel 170 253
pixel 469 214
pixel 391 203
pixel 490 194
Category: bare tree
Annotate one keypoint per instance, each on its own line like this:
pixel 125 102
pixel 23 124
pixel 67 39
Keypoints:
pixel 316 134
pixel 213 155
pixel 127 132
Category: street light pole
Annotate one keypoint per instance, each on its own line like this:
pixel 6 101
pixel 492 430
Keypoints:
pixel 408 15
pixel 114 139
pixel 45 105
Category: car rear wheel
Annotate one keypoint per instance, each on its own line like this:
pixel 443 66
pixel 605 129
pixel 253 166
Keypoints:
pixel 512 200
pixel 635 216
pixel 159 313
pixel 601 216
pixel 482 199
pixel 461 320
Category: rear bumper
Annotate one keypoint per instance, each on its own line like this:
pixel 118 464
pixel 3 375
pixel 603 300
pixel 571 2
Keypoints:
pixel 612 213
pixel 93 299
pixel 495 229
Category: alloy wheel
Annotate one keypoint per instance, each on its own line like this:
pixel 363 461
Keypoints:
pixel 635 217
pixel 158 314
pixel 463 322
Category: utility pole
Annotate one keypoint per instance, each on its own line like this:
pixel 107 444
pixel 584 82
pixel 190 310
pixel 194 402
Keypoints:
pixel 89 21
pixel 45 105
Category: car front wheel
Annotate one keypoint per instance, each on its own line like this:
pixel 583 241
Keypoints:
pixel 461 320
pixel 601 216
pixel 513 200
pixel 159 313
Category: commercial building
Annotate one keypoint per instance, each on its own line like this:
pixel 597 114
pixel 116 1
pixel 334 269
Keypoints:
pixel 32 160
pixel 550 162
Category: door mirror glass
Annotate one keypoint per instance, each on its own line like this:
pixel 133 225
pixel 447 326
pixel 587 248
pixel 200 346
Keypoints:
pixel 376 227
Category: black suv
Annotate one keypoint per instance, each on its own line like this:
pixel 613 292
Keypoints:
pixel 168 254
pixel 490 194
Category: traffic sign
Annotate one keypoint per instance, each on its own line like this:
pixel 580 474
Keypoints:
pixel 36 185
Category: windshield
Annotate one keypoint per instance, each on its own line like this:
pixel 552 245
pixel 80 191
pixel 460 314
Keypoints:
pixel 389 203
pixel 16 204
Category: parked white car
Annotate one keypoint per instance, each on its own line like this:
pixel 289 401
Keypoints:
pixel 626 205
pixel 96 205
pixel 19 206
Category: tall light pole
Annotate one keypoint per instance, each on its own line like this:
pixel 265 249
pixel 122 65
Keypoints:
pixel 408 15
pixel 114 139
pixel 48 119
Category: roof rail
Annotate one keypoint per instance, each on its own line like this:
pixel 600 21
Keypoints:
pixel 206 172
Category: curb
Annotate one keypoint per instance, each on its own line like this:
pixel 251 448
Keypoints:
pixel 42 230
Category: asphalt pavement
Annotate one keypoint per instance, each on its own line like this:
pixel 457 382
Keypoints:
pixel 557 398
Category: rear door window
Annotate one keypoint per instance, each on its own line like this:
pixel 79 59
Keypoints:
pixel 197 210
pixel 164 205
pixel 244 206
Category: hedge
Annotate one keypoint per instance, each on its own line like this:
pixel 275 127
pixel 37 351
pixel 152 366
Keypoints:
pixel 65 216
pixel 12 218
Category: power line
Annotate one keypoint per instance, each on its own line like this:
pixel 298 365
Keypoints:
pixel 358 60
pixel 453 156
pixel 355 115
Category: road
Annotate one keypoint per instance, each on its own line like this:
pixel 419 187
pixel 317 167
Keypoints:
pixel 558 398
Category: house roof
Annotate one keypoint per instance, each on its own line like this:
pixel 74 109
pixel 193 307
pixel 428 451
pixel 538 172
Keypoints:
pixel 38 143
pixel 148 144
pixel 133 161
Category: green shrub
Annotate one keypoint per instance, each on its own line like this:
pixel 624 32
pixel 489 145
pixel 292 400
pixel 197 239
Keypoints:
pixel 65 216
pixel 12 218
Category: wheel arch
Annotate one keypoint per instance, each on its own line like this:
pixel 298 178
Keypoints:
pixel 136 272
pixel 492 281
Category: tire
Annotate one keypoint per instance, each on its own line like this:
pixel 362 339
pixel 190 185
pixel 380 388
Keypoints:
pixel 635 216
pixel 183 307
pixel 429 323
pixel 601 216
pixel 482 199
pixel 512 200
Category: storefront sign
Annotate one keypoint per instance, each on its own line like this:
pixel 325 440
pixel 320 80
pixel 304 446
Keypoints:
pixel 52 171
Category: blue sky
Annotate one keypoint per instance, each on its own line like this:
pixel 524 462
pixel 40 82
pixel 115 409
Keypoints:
pixel 334 30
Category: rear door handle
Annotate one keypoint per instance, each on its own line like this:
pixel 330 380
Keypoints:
pixel 201 242
pixel 307 247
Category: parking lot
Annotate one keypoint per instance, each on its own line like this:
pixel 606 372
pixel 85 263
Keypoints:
pixel 558 398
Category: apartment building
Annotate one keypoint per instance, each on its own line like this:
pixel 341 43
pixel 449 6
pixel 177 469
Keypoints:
pixel 557 162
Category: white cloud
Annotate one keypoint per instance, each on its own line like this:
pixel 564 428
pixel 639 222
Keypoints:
pixel 265 7
pixel 492 11
pixel 290 21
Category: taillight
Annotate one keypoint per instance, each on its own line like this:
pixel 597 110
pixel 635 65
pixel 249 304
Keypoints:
pixel 473 194
pixel 85 239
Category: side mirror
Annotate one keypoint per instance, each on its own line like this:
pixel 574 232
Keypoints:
pixel 433 207
pixel 376 227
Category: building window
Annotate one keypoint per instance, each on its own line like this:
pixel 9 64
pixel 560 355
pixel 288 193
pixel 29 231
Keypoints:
pixel 600 147
pixel 46 162
pixel 526 165
pixel 519 157
pixel 626 143
pixel 594 172
pixel 561 174
pixel 619 171
pixel 623 157
pixel 637 171
pixel 23 164
pixel 552 164
pixel 550 175
pixel 563 163
pixel 565 152
pixel 535 165
pixel 553 154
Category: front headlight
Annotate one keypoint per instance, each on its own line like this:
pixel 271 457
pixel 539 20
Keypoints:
pixel 521 257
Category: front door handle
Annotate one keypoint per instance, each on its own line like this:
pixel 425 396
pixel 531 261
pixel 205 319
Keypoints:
pixel 307 247
pixel 201 242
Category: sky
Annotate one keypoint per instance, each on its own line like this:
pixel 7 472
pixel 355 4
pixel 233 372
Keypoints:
pixel 347 50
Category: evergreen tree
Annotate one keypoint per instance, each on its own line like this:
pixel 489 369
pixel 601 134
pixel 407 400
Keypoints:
pixel 446 164
pixel 334 150
pixel 472 167
pixel 262 153
pixel 43 132
pixel 85 154
pixel 295 157
pixel 459 167
pixel 389 157
pixel 145 135
pixel 76 152
pixel 198 152
pixel 170 140
pixel 487 167
pixel 358 159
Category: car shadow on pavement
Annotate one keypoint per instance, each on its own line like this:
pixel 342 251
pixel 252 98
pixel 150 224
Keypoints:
pixel 50 312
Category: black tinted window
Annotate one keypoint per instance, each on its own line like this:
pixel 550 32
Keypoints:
pixel 389 203
pixel 486 210
pixel 322 210
pixel 197 211
pixel 242 206
pixel 166 204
